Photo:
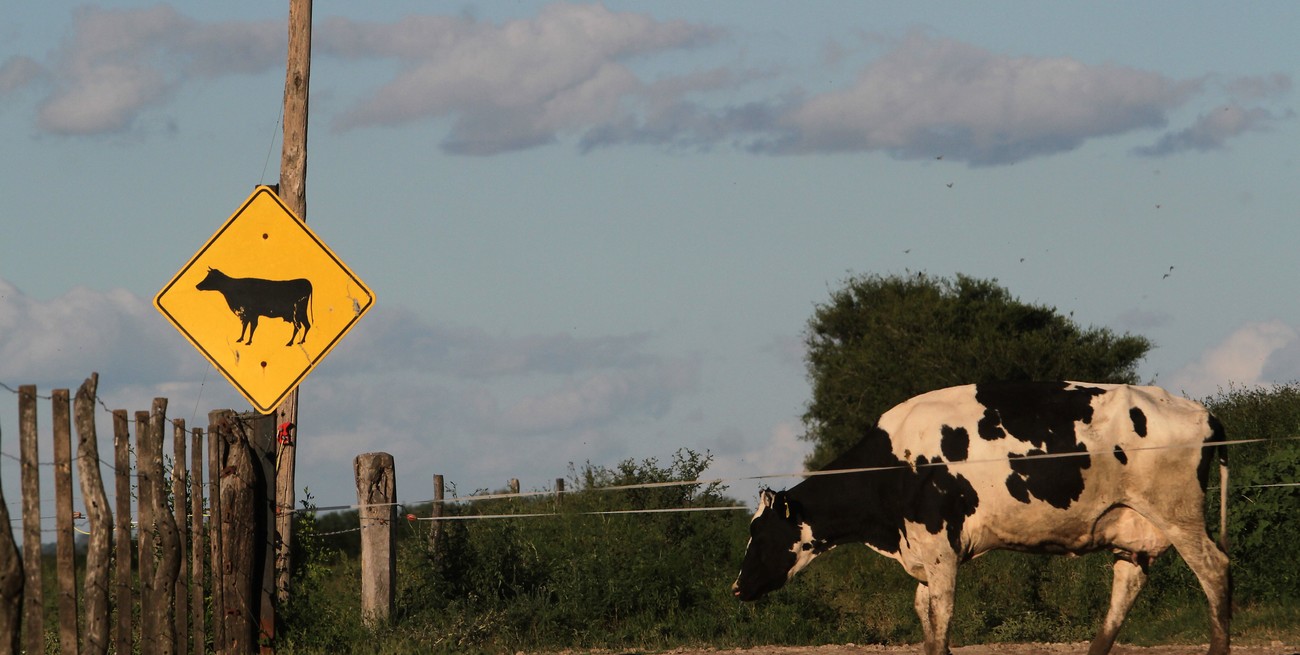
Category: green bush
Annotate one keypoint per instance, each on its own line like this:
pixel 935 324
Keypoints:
pixel 1263 522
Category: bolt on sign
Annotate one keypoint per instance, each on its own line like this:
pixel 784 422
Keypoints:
pixel 264 300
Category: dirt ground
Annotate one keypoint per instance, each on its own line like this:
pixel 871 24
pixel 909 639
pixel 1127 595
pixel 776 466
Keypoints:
pixel 1275 648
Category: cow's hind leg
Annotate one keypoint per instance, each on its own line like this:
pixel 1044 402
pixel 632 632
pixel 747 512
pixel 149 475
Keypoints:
pixel 939 594
pixel 1210 564
pixel 1129 578
pixel 922 605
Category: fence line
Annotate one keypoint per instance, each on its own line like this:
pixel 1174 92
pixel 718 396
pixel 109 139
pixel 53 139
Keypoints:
pixel 710 481
pixel 673 483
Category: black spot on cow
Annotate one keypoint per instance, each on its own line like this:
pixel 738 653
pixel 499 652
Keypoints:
pixel 943 500
pixel 955 443
pixel 252 298
pixel 873 506
pixel 1017 488
pixel 1042 415
pixel 988 427
pixel 1119 455
pixel 1209 454
pixel 1139 421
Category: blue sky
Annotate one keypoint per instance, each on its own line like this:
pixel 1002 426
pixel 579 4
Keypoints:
pixel 598 231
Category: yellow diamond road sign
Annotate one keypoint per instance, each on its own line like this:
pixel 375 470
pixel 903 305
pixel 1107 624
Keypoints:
pixel 264 300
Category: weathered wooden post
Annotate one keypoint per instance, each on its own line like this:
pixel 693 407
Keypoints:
pixel 559 492
pixel 238 483
pixel 122 530
pixel 293 191
pixel 156 617
pixel 146 538
pixel 33 599
pixel 180 507
pixel 435 512
pixel 377 496
pixel 11 584
pixel 95 639
pixel 197 585
pixel 514 486
pixel 218 435
pixel 61 414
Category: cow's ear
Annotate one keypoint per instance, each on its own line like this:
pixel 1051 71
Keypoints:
pixel 790 509
pixel 781 503
pixel 766 497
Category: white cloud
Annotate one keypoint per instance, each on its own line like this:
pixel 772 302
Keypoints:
pixel 117 63
pixel 17 73
pixel 1212 130
pixel 933 96
pixel 572 70
pixel 508 86
pixel 1240 360
pixel 62 340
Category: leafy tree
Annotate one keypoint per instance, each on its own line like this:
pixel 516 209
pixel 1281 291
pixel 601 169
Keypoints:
pixel 883 339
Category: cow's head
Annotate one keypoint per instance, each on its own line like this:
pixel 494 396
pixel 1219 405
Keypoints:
pixel 212 282
pixel 781 543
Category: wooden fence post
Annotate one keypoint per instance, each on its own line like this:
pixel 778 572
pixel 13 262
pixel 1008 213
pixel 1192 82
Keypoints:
pixel 377 495
pixel 122 543
pixel 146 538
pixel 11 583
pixel 180 508
pixel 218 433
pixel 514 486
pixel 61 414
pixel 158 632
pixel 196 541
pixel 559 492
pixel 95 640
pixel 263 442
pixel 33 599
pixel 238 482
pixel 435 512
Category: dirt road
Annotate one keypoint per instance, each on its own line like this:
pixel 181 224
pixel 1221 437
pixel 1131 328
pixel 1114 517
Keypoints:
pixel 1275 648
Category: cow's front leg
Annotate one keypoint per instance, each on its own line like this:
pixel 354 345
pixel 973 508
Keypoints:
pixel 941 587
pixel 243 329
pixel 252 326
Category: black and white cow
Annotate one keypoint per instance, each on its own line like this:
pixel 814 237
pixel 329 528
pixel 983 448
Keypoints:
pixel 1061 467
pixel 250 298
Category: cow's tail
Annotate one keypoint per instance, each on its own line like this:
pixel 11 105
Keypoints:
pixel 1218 437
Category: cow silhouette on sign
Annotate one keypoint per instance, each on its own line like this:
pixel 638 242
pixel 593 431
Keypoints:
pixel 251 298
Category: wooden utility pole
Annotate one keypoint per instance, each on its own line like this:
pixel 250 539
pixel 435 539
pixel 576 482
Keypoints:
pixel 293 191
